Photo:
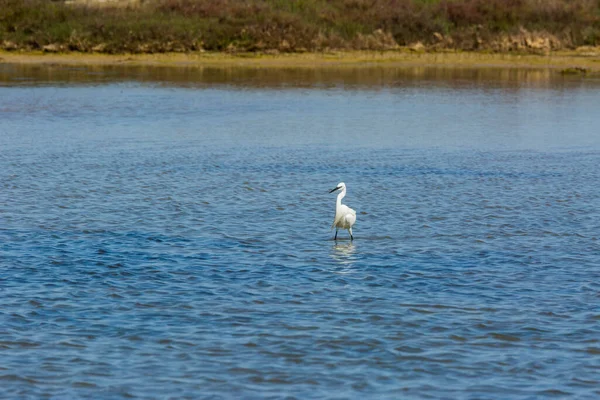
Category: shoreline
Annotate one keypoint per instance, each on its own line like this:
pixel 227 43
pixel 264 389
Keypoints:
pixel 580 60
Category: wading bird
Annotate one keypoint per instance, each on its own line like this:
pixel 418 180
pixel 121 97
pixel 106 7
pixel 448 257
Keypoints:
pixel 345 217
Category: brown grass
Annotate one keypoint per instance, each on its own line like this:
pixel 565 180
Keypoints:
pixel 297 25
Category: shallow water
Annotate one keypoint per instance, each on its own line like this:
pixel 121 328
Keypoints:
pixel 164 233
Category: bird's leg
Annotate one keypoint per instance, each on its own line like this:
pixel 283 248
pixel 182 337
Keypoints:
pixel 335 237
pixel 351 237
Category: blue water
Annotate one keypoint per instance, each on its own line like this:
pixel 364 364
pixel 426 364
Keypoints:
pixel 166 235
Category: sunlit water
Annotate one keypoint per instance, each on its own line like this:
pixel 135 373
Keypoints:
pixel 165 234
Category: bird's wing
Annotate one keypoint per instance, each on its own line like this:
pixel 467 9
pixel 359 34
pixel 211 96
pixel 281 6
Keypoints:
pixel 342 212
pixel 350 219
pixel 344 209
pixel 350 216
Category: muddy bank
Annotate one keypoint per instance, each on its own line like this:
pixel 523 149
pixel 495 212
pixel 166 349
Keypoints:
pixel 582 60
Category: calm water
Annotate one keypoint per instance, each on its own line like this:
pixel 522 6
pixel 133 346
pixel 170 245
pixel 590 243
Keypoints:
pixel 164 233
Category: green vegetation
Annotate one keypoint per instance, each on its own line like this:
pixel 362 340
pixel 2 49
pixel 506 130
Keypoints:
pixel 150 26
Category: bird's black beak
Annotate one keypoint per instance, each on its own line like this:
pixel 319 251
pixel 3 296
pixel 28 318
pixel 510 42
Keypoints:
pixel 334 189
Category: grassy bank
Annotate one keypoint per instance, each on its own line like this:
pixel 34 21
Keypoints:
pixel 274 26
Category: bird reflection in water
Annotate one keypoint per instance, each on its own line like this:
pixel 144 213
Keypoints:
pixel 343 255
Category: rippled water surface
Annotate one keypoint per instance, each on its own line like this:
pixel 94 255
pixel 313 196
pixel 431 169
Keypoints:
pixel 164 233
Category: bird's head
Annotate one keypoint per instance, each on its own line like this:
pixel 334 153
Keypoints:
pixel 340 186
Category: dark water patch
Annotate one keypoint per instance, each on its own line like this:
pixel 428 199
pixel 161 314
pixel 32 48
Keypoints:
pixel 326 79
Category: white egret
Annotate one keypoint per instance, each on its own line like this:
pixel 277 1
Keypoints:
pixel 345 217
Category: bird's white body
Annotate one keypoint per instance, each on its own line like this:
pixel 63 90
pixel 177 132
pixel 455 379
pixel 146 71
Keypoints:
pixel 345 217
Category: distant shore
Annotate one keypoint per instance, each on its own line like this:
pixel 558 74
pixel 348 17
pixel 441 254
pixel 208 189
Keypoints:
pixel 577 61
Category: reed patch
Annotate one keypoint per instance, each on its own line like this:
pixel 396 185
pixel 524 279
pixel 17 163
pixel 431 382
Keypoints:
pixel 156 26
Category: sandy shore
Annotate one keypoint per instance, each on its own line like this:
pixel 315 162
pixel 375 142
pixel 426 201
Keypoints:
pixel 587 59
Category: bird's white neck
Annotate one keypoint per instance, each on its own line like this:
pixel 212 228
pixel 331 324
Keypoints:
pixel 340 197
